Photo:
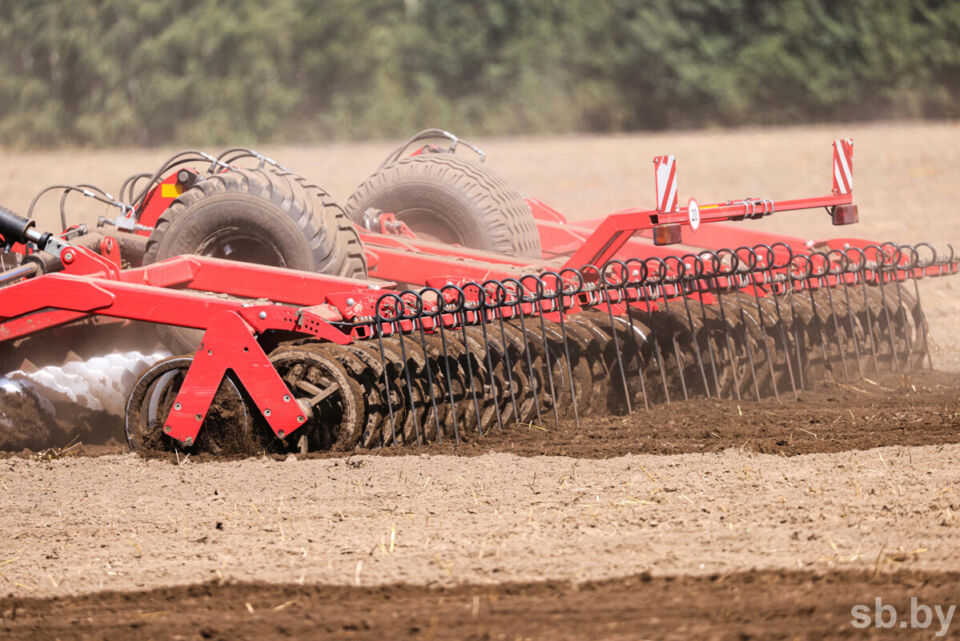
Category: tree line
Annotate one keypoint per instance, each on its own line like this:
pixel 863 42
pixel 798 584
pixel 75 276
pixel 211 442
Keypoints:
pixel 114 72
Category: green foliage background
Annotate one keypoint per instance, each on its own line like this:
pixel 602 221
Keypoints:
pixel 116 72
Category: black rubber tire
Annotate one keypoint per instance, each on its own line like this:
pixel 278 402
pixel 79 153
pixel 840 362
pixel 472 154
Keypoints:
pixel 299 222
pixel 473 205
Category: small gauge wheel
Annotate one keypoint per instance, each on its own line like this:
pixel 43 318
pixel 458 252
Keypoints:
pixel 227 429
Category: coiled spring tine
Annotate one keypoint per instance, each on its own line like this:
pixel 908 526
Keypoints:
pixel 735 272
pixel 636 276
pixel 691 269
pixel 773 264
pixel 654 282
pixel 499 301
pixel 560 290
pixel 608 284
pixel 703 289
pixel 922 269
pixel 379 320
pixel 536 297
pixel 518 302
pixel 754 266
pixel 881 262
pixel 459 308
pixel 482 310
pixel 823 274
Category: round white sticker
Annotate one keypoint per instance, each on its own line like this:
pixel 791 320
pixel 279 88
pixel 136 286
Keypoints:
pixel 693 212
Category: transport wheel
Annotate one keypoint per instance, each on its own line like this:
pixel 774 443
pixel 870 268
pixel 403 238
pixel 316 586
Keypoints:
pixel 227 429
pixel 448 199
pixel 263 216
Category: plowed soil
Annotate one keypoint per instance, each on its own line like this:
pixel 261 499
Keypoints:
pixel 915 408
pixel 767 605
pixel 919 408
pixel 702 519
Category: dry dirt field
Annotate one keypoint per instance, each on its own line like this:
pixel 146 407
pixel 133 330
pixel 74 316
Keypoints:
pixel 708 519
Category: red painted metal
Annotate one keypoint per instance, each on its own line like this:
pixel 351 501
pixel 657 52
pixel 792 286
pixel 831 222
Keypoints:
pixel 231 344
pixel 110 250
pixel 157 201
pixel 244 279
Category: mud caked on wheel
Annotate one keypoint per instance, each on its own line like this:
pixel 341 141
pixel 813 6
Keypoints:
pixel 445 198
pixel 328 394
pixel 228 428
pixel 265 216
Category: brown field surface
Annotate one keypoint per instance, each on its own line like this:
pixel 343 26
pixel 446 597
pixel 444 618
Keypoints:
pixel 699 520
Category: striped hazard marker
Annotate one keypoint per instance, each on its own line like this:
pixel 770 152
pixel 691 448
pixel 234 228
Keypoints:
pixel 842 166
pixel 666 176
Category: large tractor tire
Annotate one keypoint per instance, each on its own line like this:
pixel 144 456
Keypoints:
pixel 263 216
pixel 445 198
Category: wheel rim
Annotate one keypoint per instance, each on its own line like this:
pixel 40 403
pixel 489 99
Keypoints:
pixel 430 224
pixel 234 244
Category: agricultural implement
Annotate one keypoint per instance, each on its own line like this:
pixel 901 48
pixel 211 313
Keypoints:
pixel 443 305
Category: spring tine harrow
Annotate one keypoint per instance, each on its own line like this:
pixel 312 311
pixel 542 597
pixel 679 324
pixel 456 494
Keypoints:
pixel 514 341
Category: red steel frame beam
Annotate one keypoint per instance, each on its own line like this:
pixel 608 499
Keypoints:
pixel 591 242
pixel 245 280
pixel 65 297
pixel 614 231
pixel 599 240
